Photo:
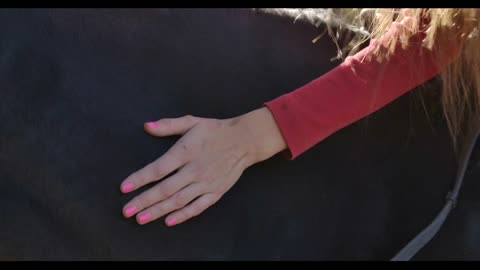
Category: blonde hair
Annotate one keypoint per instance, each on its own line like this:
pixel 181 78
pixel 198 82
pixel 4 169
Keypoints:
pixel 460 80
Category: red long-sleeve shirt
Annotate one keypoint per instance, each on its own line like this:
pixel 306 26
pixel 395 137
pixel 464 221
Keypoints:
pixel 352 90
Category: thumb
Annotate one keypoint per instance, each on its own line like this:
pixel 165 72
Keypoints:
pixel 171 126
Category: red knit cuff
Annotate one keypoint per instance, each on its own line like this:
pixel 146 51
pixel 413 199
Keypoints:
pixel 284 120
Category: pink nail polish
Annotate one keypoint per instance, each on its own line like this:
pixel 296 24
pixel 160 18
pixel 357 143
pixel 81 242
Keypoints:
pixel 127 187
pixel 152 124
pixel 144 217
pixel 171 221
pixel 130 210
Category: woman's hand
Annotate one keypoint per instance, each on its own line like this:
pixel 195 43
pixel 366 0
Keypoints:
pixel 210 158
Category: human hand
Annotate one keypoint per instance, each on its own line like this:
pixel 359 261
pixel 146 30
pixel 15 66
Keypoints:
pixel 210 157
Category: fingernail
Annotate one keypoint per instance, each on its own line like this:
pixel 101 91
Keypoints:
pixel 144 217
pixel 127 187
pixel 130 210
pixel 171 221
pixel 152 124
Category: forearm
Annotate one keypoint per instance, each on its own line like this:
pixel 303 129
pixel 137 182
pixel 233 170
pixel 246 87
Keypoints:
pixel 351 91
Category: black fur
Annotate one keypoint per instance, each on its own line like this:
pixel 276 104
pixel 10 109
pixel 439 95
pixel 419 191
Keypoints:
pixel 76 87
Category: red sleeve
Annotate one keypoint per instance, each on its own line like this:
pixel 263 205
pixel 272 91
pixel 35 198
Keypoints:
pixel 351 91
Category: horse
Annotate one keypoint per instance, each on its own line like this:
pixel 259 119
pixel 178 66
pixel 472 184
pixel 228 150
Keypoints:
pixel 76 87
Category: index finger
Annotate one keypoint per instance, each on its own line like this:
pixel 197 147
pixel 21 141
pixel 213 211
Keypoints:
pixel 164 165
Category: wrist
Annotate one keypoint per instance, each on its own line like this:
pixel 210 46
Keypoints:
pixel 263 135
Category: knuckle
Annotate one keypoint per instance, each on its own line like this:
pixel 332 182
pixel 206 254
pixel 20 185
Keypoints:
pixel 218 123
pixel 166 122
pixel 181 151
pixel 157 170
pixel 137 178
pixel 196 171
pixel 202 187
pixel 134 179
pixel 179 199
pixel 142 201
pixel 163 191
pixel 193 211
pixel 212 123
pixel 184 147
pixel 189 118
pixel 170 155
